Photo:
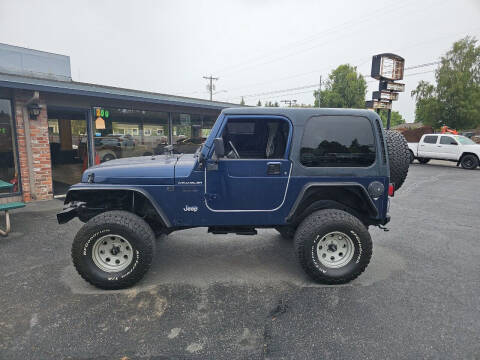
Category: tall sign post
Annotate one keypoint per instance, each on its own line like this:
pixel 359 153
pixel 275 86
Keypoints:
pixel 386 68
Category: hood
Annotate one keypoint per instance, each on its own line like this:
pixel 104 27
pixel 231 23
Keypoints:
pixel 142 170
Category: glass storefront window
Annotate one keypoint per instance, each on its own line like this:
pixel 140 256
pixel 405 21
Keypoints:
pixel 189 131
pixel 8 153
pixel 127 133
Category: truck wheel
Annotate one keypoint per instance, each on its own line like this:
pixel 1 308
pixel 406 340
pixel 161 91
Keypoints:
pixel 412 157
pixel 469 162
pixel 333 246
pixel 398 157
pixel 423 160
pixel 286 232
pixel 113 250
pixel 108 157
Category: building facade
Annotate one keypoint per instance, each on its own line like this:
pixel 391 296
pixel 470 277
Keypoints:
pixel 52 128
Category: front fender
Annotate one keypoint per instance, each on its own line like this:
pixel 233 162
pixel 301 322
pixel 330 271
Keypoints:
pixel 74 203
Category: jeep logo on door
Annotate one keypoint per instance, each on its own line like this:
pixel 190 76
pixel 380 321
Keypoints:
pixel 190 208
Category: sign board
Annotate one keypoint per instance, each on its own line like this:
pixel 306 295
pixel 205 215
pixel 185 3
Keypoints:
pixel 387 66
pixel 392 86
pixel 376 104
pixel 99 112
pixel 385 95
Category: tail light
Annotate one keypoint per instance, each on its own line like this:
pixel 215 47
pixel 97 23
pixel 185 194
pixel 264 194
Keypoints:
pixel 391 189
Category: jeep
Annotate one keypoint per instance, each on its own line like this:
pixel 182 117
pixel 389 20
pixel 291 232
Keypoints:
pixel 318 176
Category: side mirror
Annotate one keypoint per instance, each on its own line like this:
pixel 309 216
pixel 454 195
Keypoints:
pixel 219 148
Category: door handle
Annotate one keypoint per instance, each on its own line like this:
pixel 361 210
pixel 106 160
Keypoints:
pixel 273 168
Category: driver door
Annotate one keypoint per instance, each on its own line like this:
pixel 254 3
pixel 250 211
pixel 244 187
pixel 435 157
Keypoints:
pixel 255 172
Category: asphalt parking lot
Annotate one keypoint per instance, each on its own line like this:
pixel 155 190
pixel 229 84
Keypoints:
pixel 234 297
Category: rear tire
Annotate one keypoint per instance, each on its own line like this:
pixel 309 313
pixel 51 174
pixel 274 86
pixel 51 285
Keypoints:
pixel 113 250
pixel 423 160
pixel 333 246
pixel 469 162
pixel 398 157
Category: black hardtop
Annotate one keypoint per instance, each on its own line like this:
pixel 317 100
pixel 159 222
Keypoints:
pixel 299 116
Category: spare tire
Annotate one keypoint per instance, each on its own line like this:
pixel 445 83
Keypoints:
pixel 398 157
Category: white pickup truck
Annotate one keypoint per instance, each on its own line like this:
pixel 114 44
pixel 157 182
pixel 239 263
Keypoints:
pixel 456 148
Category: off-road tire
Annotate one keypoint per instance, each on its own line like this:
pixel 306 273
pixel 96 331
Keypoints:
pixel 423 160
pixel 286 232
pixel 398 157
pixel 314 228
pixel 128 225
pixel 469 162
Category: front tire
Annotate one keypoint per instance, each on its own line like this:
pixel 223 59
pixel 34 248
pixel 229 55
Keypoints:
pixel 423 160
pixel 333 246
pixel 469 162
pixel 113 250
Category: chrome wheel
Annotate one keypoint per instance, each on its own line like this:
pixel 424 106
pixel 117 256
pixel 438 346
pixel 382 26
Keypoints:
pixel 335 249
pixel 112 253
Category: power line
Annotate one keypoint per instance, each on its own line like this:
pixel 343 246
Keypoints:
pixel 361 61
pixel 334 29
pixel 280 91
pixel 286 92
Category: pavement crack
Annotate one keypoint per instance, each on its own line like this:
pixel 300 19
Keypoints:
pixel 280 309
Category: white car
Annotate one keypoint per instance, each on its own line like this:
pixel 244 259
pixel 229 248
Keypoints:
pixel 460 149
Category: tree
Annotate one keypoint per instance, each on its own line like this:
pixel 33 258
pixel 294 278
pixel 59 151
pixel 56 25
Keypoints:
pixel 395 119
pixel 242 102
pixel 259 103
pixel 271 104
pixel 455 99
pixel 346 88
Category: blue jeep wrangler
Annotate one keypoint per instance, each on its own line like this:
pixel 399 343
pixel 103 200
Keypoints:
pixel 318 176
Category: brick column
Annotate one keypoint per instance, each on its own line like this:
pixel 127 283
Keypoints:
pixel 40 148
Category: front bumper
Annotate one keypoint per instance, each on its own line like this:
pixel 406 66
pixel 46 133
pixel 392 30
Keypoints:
pixel 70 211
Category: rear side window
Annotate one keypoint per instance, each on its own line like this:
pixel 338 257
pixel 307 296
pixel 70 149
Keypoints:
pixel 430 139
pixel 338 141
pixel 447 140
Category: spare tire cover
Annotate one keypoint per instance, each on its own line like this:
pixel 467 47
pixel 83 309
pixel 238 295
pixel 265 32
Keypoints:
pixel 398 157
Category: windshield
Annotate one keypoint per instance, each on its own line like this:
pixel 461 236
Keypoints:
pixel 464 140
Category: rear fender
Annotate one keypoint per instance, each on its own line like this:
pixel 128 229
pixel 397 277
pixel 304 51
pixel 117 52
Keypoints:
pixel 351 197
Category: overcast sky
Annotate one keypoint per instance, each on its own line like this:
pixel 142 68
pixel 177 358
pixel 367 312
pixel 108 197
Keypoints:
pixel 253 46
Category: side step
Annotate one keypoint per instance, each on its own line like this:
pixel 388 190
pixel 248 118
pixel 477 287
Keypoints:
pixel 217 230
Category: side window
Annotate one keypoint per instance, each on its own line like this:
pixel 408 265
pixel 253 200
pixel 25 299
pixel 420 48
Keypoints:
pixel 430 139
pixel 447 140
pixel 338 141
pixel 262 138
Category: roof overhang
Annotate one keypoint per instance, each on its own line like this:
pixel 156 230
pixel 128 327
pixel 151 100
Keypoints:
pixel 100 91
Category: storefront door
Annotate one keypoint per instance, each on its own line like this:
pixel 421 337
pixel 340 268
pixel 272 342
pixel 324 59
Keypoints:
pixel 67 131
pixel 9 176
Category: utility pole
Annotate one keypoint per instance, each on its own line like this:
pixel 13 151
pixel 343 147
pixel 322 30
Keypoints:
pixel 211 85
pixel 319 90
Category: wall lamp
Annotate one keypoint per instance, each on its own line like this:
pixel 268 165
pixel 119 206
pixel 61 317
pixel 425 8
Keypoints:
pixel 34 110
